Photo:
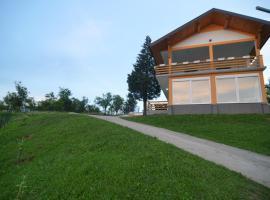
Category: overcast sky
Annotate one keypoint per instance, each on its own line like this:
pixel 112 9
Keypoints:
pixel 90 46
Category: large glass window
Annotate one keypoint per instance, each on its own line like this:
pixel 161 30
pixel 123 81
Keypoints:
pixel 164 55
pixel 226 90
pixel 249 89
pixel 189 55
pixel 238 89
pixel 191 91
pixel 234 50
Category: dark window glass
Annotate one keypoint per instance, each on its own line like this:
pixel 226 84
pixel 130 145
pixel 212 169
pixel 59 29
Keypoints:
pixel 234 50
pixel 164 55
pixel 200 53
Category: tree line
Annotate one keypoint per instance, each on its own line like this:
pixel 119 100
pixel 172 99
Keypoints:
pixel 20 101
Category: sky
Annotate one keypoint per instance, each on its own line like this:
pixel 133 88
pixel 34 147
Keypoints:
pixel 90 46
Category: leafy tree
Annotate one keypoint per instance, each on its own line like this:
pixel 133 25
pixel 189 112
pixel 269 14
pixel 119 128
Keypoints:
pixel 92 109
pixel 104 101
pixel 79 106
pixel 142 82
pixel 2 105
pixel 130 104
pixel 49 103
pixel 267 86
pixel 64 102
pixel 30 103
pixel 117 103
pixel 22 94
pixel 12 101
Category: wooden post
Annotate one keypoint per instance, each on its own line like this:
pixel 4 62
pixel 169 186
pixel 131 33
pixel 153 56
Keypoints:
pixel 169 74
pixel 212 77
pixel 263 89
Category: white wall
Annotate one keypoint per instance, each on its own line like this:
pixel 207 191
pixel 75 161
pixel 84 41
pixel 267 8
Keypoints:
pixel 215 36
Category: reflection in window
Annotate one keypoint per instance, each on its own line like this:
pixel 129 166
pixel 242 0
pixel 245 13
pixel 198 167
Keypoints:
pixel 164 55
pixel 234 50
pixel 238 89
pixel 200 91
pixel 181 92
pixel 191 91
pixel 249 90
pixel 190 55
pixel 226 90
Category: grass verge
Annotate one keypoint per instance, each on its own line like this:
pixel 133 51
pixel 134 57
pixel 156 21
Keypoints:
pixel 64 156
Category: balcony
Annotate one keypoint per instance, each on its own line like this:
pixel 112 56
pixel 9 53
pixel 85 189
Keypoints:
pixel 219 65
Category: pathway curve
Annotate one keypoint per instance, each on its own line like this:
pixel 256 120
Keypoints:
pixel 252 165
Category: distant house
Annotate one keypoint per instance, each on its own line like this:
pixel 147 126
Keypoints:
pixel 213 64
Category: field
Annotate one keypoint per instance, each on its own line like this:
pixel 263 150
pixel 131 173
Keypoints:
pixel 68 156
pixel 250 132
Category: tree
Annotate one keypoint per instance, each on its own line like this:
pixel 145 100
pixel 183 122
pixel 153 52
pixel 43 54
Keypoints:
pixel 267 86
pixel 49 103
pixel 12 101
pixel 79 106
pixel 117 103
pixel 30 103
pixel 104 101
pixel 142 82
pixel 2 105
pixel 92 109
pixel 64 102
pixel 130 104
pixel 22 94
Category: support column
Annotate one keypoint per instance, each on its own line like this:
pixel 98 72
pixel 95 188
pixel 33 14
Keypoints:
pixel 263 89
pixel 212 77
pixel 169 75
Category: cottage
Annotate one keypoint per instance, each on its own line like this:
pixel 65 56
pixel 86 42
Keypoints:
pixel 213 64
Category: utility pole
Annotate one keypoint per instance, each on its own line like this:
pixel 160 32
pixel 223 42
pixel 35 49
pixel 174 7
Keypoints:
pixel 262 9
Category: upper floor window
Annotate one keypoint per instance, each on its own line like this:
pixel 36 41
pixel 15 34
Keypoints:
pixel 234 50
pixel 190 55
pixel 164 56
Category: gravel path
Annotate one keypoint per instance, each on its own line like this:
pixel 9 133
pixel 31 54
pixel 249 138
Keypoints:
pixel 249 164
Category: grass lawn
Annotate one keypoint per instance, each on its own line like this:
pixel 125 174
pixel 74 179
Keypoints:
pixel 64 156
pixel 251 132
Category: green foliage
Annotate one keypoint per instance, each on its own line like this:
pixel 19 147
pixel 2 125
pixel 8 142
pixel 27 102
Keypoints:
pixel 65 103
pixel 248 131
pixel 12 101
pixel 130 104
pixel 4 119
pixel 2 105
pixel 142 82
pixel 267 86
pixel 105 101
pixel 79 157
pixel 117 103
pixel 92 109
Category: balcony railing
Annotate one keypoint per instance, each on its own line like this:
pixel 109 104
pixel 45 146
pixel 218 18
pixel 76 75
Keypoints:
pixel 157 105
pixel 221 63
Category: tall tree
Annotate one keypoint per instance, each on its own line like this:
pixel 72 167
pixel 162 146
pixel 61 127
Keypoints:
pixel 22 94
pixel 117 103
pixel 104 101
pixel 64 99
pixel 142 82
pixel 12 101
pixel 267 86
pixel 130 104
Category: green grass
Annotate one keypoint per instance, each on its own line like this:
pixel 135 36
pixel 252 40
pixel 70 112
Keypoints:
pixel 64 156
pixel 251 132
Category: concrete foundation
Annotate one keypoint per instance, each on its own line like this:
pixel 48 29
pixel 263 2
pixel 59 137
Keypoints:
pixel 230 108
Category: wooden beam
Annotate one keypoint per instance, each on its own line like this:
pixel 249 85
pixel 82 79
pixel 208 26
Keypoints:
pixel 227 22
pixel 197 27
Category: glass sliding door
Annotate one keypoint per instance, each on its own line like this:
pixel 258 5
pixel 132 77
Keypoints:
pixel 238 89
pixel 191 91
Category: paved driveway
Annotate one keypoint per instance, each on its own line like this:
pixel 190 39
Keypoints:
pixel 251 165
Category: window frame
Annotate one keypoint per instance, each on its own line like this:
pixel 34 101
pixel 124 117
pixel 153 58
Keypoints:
pixel 235 77
pixel 190 89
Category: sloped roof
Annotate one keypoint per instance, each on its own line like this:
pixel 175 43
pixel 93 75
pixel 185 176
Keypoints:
pixel 214 16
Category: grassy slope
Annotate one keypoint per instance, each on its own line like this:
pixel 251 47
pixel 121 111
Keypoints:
pixel 78 157
pixel 251 132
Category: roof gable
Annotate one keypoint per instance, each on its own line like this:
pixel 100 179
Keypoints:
pixel 257 27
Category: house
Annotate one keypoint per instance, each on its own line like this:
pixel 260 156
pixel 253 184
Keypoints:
pixel 212 64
